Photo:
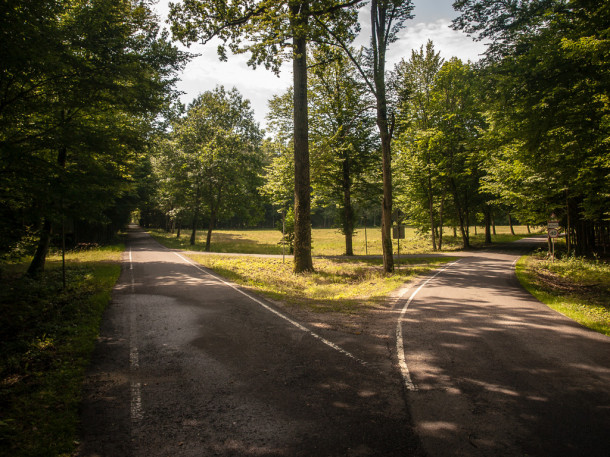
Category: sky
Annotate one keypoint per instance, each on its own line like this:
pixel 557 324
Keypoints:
pixel 205 72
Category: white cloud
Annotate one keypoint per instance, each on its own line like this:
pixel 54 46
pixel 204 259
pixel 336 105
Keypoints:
pixel 450 43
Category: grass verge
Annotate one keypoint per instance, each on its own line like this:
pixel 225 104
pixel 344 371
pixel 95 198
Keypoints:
pixel 338 285
pixel 577 288
pixel 46 339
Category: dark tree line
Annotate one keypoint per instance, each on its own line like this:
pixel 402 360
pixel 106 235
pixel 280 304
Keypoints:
pixel 81 90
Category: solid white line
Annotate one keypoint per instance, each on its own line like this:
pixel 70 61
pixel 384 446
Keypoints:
pixel 277 313
pixel 400 347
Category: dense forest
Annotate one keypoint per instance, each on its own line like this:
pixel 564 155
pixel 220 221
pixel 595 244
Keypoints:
pixel 92 133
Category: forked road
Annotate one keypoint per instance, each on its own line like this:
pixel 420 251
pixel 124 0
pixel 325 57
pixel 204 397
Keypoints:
pixel 189 365
pixel 493 372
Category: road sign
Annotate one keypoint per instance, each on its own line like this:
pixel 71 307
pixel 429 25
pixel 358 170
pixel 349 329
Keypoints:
pixel 552 225
pixel 398 232
pixel 553 233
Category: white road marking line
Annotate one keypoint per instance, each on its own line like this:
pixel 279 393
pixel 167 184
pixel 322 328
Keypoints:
pixel 277 313
pixel 136 410
pixel 400 347
pixel 136 402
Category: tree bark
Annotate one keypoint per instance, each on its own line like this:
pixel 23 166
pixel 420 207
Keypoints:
pixel 510 223
pixel 379 46
pixel 302 193
pixel 431 211
pixel 487 215
pixel 36 267
pixel 348 211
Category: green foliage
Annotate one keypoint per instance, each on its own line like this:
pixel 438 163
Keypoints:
pixel 439 160
pixel 83 84
pixel 46 337
pixel 548 75
pixel 212 161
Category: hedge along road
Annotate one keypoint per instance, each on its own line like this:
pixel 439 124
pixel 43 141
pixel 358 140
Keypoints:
pixel 492 371
pixel 190 365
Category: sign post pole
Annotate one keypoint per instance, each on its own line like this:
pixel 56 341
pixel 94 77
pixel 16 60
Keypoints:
pixel 553 231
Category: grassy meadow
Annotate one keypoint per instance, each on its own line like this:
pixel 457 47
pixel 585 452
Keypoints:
pixel 47 335
pixel 326 242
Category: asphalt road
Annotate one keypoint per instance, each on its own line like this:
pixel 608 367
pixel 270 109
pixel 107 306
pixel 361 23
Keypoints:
pixel 464 362
pixel 188 365
pixel 491 371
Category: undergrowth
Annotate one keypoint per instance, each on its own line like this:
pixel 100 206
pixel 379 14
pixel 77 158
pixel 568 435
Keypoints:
pixel 47 334
pixel 576 287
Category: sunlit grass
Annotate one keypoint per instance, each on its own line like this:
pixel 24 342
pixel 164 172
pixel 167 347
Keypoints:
pixel 325 242
pixel 345 286
pixel 578 288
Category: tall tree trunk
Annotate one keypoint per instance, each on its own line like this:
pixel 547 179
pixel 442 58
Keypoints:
pixel 431 211
pixel 302 191
pixel 440 225
pixel 568 243
pixel 178 228
pixel 195 216
pixel 379 46
pixel 487 215
pixel 348 211
pixel 194 227
pixel 510 223
pixel 214 207
pixel 211 226
pixel 36 267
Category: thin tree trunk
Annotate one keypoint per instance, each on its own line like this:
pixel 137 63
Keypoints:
pixel 214 207
pixel 211 226
pixel 487 215
pixel 195 216
pixel 36 267
pixel 431 211
pixel 440 225
pixel 302 196
pixel 510 223
pixel 348 225
pixel 194 227
pixel 568 243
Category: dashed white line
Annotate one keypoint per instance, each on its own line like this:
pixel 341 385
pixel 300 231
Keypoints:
pixel 400 347
pixel 277 313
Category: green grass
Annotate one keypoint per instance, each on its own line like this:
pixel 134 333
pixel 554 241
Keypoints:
pixel 577 288
pixel 338 285
pixel 46 338
pixel 325 242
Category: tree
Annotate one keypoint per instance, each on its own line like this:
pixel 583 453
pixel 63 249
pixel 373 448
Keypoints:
pixel 344 150
pixel 549 76
pixel 418 157
pixel 219 155
pixel 72 123
pixel 387 19
pixel 266 29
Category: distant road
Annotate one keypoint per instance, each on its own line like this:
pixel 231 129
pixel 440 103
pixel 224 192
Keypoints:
pixel 492 371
